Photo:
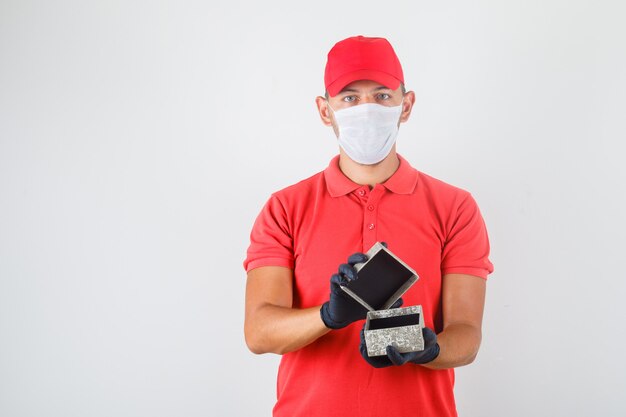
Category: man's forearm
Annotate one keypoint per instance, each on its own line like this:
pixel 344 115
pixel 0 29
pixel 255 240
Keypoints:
pixel 275 329
pixel 458 344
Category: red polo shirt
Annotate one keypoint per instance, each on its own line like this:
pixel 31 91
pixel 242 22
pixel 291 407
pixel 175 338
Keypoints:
pixel 312 227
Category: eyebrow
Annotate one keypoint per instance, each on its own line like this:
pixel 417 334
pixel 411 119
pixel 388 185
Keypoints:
pixel 352 90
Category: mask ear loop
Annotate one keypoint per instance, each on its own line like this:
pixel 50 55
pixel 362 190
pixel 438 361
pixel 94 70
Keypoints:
pixel 330 107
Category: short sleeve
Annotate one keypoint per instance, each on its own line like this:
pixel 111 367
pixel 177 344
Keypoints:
pixel 271 243
pixel 466 250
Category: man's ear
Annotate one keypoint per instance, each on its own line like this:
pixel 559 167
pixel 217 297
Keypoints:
pixel 407 106
pixel 322 108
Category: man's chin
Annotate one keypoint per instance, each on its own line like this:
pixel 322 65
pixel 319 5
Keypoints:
pixel 370 165
pixel 375 164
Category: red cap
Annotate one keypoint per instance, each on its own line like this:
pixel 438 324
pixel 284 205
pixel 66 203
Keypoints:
pixel 361 58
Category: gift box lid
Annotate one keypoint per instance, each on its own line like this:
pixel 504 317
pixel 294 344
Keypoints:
pixel 381 280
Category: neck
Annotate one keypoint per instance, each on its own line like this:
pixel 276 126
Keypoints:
pixel 369 174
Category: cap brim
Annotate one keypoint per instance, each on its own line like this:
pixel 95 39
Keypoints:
pixel 383 78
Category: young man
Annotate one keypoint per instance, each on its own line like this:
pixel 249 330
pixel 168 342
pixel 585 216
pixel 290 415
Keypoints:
pixel 302 238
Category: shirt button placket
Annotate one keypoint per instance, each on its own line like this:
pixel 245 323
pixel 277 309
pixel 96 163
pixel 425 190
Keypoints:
pixel 370 217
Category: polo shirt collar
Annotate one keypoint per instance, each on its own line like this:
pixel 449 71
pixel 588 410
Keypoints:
pixel 336 182
pixel 403 181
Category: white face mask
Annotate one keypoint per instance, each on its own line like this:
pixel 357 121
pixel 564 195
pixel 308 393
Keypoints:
pixel 367 131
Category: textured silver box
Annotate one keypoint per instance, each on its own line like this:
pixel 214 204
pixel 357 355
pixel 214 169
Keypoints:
pixel 400 327
pixel 381 281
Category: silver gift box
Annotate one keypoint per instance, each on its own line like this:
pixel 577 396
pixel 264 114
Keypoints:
pixel 406 338
pixel 381 281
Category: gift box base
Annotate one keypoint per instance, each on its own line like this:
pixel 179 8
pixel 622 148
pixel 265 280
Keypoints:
pixel 400 327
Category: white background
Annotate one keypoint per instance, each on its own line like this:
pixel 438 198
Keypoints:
pixel 139 140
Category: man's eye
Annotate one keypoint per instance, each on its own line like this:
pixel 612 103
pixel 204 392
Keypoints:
pixel 349 99
pixel 384 96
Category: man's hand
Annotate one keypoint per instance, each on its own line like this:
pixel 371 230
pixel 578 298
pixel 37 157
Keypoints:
pixel 341 309
pixel 393 357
